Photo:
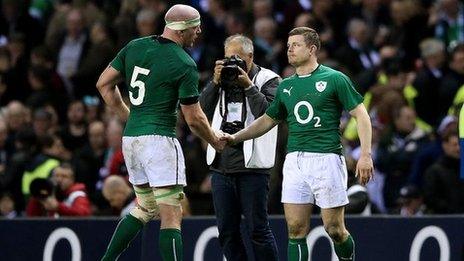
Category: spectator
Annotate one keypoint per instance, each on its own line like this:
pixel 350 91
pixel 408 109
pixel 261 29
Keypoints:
pixel 51 153
pixel 453 80
pixel 214 22
pixel 39 80
pixel 93 107
pixel 72 46
pixel 124 25
pixel 408 28
pixel 449 27
pixel 6 82
pixel 7 207
pixel 89 159
pixel 397 150
pixel 119 195
pixel 74 134
pixel 15 19
pixel 444 191
pixel 358 53
pixel 146 22
pixel 113 158
pixel 25 150
pixel 70 198
pixel 42 123
pixel 411 202
pixel 262 9
pixel 98 56
pixel 268 50
pixel 18 70
pixel 5 152
pixel 428 80
pixel 17 117
pixel 431 152
pixel 42 57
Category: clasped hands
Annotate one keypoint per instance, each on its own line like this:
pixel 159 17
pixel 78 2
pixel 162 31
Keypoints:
pixel 222 140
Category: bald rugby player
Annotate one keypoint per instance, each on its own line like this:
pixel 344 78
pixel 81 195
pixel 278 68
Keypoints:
pixel 159 74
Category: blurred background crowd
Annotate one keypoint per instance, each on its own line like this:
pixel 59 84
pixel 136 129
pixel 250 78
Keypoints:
pixel 406 57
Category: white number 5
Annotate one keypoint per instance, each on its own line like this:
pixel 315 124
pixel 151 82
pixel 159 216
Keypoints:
pixel 138 84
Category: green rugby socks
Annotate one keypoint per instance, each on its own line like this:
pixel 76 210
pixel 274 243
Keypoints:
pixel 297 249
pixel 170 244
pixel 126 230
pixel 345 250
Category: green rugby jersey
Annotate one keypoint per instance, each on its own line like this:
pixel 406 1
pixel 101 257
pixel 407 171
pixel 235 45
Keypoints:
pixel 158 72
pixel 312 106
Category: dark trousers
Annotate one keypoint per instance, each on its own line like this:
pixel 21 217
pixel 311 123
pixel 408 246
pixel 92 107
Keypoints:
pixel 244 194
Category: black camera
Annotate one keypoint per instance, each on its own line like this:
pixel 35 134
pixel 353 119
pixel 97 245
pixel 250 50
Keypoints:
pixel 41 188
pixel 232 127
pixel 230 71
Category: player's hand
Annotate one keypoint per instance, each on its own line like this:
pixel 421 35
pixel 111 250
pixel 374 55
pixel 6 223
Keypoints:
pixel 228 139
pixel 219 144
pixel 217 71
pixel 364 169
pixel 243 79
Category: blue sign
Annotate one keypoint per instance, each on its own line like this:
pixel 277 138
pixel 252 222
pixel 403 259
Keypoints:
pixel 377 238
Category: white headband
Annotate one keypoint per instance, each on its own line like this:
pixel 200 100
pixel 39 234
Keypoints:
pixel 182 25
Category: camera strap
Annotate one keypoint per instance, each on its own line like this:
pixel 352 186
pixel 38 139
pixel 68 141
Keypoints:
pixel 224 111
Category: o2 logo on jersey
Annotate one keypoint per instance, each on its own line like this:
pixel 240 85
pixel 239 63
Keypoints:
pixel 310 116
pixel 134 83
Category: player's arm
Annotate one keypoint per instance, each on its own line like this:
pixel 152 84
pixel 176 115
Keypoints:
pixel 199 125
pixel 106 85
pixel 364 168
pixel 256 129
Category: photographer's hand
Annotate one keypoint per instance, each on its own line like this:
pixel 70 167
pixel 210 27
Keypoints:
pixel 50 203
pixel 243 79
pixel 217 71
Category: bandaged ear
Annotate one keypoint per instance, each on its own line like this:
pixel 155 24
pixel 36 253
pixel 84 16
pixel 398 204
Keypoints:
pixel 146 208
pixel 171 196
pixel 182 25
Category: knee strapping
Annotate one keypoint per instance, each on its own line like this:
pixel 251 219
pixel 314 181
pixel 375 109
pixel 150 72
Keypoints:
pixel 169 196
pixel 146 208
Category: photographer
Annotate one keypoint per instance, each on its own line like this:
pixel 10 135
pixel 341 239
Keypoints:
pixel 240 92
pixel 64 197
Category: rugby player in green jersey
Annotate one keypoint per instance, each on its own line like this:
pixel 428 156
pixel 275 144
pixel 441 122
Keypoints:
pixel 311 102
pixel 159 74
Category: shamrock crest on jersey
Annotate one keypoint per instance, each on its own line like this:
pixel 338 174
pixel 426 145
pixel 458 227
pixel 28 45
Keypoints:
pixel 321 85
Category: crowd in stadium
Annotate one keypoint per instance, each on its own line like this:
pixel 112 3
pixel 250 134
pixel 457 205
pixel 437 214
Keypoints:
pixel 406 57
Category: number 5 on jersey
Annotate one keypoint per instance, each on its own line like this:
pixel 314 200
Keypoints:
pixel 134 83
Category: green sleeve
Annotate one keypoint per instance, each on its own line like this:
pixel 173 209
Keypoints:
pixel 188 83
pixel 346 92
pixel 277 109
pixel 119 61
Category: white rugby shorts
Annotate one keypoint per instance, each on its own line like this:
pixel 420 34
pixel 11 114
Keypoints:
pixel 315 178
pixel 154 159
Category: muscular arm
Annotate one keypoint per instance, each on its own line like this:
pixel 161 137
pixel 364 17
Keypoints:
pixel 365 166
pixel 106 85
pixel 198 123
pixel 364 128
pixel 260 126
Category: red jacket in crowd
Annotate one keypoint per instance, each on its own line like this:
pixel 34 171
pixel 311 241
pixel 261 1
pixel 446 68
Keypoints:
pixel 76 203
